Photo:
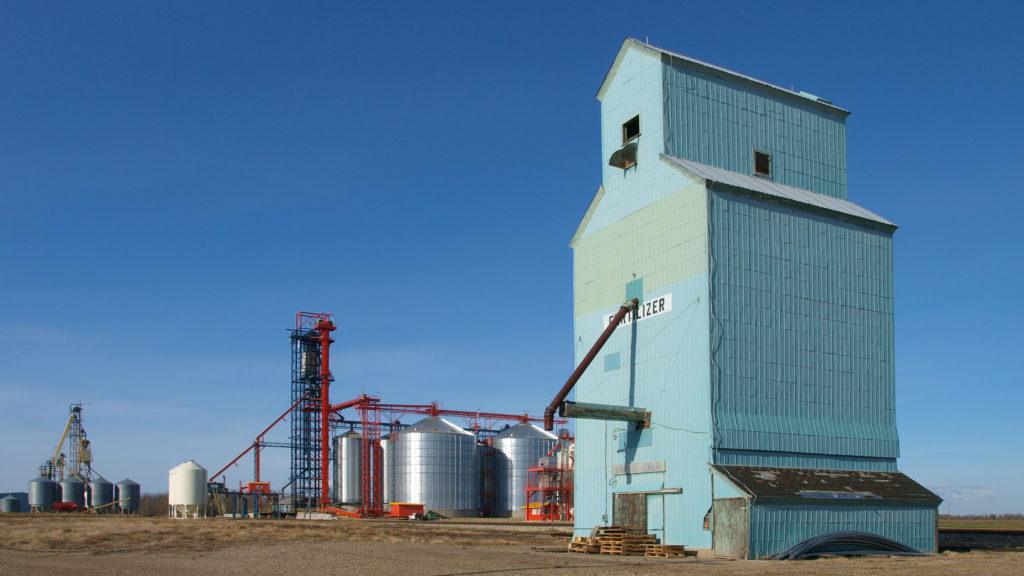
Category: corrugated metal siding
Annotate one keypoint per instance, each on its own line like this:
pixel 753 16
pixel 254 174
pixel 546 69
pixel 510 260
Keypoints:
pixel 777 526
pixel 816 461
pixel 713 121
pixel 802 332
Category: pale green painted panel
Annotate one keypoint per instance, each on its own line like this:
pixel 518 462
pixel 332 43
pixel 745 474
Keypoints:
pixel 662 243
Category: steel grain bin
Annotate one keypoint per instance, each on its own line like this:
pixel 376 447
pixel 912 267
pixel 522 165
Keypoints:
pixel 72 490
pixel 436 463
pixel 127 496
pixel 516 450
pixel 348 471
pixel 42 494
pixel 101 493
pixel 10 505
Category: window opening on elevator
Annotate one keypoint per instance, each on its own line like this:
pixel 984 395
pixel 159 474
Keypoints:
pixel 762 164
pixel 631 129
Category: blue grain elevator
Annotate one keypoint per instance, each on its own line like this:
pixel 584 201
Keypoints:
pixel 762 352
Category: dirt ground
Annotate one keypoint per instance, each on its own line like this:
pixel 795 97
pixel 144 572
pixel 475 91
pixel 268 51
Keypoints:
pixel 72 544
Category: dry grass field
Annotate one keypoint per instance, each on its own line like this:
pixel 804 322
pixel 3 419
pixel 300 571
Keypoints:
pixel 73 544
pixel 982 524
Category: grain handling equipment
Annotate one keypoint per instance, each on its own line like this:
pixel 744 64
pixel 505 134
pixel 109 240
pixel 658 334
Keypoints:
pixel 77 461
pixel 596 411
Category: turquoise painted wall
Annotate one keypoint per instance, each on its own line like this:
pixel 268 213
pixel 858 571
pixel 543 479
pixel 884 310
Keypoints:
pixel 802 321
pixel 718 121
pixel 662 367
pixel 645 235
pixel 777 526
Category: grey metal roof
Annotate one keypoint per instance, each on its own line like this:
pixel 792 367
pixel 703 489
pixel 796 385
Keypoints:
pixel 774 189
pixel 718 71
pixel 433 425
pixel 525 430
pixel 771 483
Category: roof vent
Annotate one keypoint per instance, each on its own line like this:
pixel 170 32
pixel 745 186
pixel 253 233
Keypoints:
pixel 624 157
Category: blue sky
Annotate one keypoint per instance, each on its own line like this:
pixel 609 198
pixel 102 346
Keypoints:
pixel 179 179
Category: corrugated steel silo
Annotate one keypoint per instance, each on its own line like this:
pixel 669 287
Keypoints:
pixel 73 491
pixel 385 482
pixel 517 449
pixel 10 505
pixel 127 496
pixel 101 493
pixel 435 463
pixel 348 471
pixel 42 493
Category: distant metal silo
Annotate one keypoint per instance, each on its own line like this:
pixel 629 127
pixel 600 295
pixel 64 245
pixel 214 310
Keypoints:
pixel 435 463
pixel 385 471
pixel 517 449
pixel 10 505
pixel 73 491
pixel 348 470
pixel 101 493
pixel 127 496
pixel 41 494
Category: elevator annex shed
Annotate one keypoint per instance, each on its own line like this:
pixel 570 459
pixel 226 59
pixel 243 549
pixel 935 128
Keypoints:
pixel 763 346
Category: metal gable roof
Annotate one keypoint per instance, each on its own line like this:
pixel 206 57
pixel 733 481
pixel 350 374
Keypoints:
pixel 704 67
pixel 776 190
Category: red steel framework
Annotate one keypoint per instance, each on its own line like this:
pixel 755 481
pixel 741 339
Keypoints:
pixel 549 490
pixel 371 414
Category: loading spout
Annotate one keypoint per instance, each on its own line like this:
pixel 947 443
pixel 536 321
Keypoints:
pixel 549 412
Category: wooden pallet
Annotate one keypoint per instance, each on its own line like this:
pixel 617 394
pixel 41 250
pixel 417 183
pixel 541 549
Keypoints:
pixel 584 545
pixel 612 540
pixel 623 549
pixel 666 551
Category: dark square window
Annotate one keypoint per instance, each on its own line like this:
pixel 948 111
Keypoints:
pixel 631 129
pixel 762 164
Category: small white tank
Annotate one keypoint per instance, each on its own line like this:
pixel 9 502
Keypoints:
pixel 186 491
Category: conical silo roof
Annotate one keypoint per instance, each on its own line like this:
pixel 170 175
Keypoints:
pixel 525 430
pixel 434 425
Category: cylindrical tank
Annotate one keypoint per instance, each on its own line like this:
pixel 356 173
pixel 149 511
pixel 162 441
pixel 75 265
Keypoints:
pixel 435 463
pixel 72 490
pixel 348 471
pixel 41 494
pixel 10 505
pixel 186 496
pixel 127 496
pixel 517 449
pixel 101 493
pixel 486 478
pixel 385 472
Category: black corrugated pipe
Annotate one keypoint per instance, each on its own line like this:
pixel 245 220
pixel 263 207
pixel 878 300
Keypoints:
pixel 549 412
